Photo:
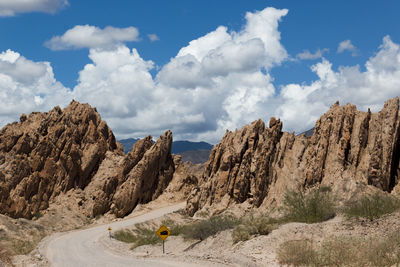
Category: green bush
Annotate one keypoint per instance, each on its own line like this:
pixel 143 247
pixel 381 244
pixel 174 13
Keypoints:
pixel 125 236
pixel 372 207
pixel 316 206
pixel 202 229
pixel 141 235
pixel 175 228
pixel 242 233
pixel 253 225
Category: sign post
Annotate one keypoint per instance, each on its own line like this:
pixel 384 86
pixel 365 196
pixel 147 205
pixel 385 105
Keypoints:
pixel 163 232
pixel 109 231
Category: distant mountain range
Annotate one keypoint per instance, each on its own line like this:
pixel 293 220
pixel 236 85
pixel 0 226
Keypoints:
pixel 308 133
pixel 196 152
pixel 128 143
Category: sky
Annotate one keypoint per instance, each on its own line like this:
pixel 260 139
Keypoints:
pixel 198 68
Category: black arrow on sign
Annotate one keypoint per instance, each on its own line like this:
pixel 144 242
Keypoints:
pixel 164 233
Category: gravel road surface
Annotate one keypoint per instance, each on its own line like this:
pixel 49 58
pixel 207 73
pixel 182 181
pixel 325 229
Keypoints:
pixel 83 247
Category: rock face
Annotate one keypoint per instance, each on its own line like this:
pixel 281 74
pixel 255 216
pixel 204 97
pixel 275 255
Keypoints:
pixel 146 172
pixel 47 154
pixel 349 149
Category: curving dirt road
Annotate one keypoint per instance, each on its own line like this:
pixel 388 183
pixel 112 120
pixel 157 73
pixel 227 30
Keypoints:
pixel 83 247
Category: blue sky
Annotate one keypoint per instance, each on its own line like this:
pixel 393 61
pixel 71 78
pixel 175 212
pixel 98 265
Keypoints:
pixel 290 59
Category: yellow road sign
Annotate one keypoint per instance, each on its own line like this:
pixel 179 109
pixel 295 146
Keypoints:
pixel 109 228
pixel 163 232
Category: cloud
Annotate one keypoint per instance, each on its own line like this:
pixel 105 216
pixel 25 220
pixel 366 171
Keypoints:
pixel 153 37
pixel 219 81
pixel 216 81
pixel 307 55
pixel 27 86
pixel 87 36
pixel 13 7
pixel 346 45
pixel 301 105
pixel 118 82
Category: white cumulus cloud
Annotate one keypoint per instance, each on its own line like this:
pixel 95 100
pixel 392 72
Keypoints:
pixel 307 55
pixel 13 7
pixel 303 104
pixel 27 86
pixel 346 45
pixel 220 81
pixel 87 36
pixel 153 37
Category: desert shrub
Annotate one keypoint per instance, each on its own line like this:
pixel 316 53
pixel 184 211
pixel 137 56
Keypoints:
pixel 297 253
pixel 141 235
pixel 242 233
pixel 37 215
pixel 21 247
pixel 202 229
pixel 342 251
pixel 175 228
pixel 251 225
pixel 372 207
pixel 316 206
pixel 385 252
pixel 145 236
pixel 125 236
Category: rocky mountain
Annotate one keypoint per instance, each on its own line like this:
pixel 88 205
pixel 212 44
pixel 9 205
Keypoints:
pixel 195 156
pixel 72 149
pixel 179 147
pixel 349 150
pixel 195 152
pixel 308 133
pixel 127 144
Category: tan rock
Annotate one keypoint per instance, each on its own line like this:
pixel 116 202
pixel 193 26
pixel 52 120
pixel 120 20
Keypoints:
pixel 48 153
pixel 348 150
pixel 147 171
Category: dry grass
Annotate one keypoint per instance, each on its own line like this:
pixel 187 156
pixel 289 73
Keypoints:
pixel 316 206
pixel 342 251
pixel 141 235
pixel 297 253
pixel 253 225
pixel 372 207
pixel 202 229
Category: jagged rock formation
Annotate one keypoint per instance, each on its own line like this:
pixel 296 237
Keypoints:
pixel 349 149
pixel 46 154
pixel 146 172
pixel 49 153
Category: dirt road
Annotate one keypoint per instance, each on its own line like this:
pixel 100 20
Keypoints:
pixel 83 247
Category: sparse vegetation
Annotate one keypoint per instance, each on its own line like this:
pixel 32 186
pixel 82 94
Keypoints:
pixel 253 225
pixel 141 235
pixel 316 206
pixel 37 215
pixel 297 253
pixel 342 251
pixel 372 207
pixel 124 235
pixel 175 228
pixel 21 247
pixel 202 229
